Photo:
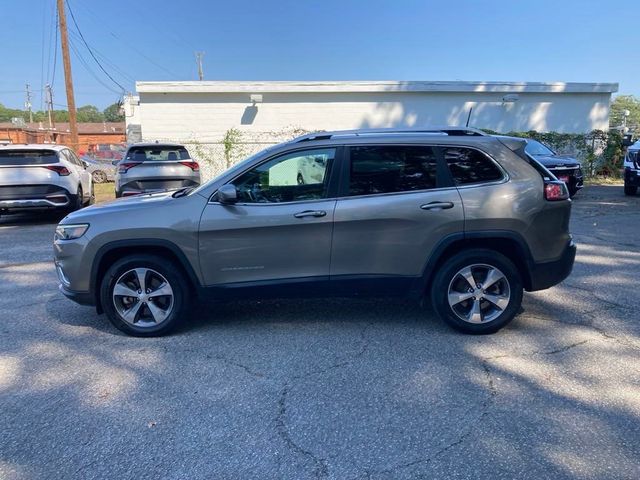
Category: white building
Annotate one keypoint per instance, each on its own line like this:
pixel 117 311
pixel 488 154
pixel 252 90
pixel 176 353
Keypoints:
pixel 200 112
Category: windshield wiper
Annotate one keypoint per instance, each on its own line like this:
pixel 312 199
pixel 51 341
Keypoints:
pixel 182 192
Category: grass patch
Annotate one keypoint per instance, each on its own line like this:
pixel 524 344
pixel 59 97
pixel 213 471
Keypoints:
pixel 602 180
pixel 104 191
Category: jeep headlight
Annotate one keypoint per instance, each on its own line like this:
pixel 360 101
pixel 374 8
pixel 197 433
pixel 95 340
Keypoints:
pixel 71 231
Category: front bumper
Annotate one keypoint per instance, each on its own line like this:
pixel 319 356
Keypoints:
pixel 82 298
pixel 547 274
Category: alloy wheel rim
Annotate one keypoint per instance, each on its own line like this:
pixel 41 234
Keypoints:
pixel 479 293
pixel 143 297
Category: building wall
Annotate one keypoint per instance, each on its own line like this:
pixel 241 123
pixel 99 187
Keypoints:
pixel 205 116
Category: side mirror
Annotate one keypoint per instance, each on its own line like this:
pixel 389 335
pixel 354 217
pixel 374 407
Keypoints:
pixel 115 162
pixel 85 164
pixel 227 194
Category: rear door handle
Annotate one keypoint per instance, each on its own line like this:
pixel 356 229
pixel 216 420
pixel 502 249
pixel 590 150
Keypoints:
pixel 437 206
pixel 310 213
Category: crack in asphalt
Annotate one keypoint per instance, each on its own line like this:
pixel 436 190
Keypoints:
pixel 321 466
pixel 228 361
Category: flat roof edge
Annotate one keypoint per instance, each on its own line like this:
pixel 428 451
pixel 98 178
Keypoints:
pixel 370 86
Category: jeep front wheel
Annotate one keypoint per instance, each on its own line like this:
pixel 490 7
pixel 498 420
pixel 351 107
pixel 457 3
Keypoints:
pixel 477 291
pixel 145 295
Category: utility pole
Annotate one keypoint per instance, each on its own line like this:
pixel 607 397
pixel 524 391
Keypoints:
pixel 68 80
pixel 49 101
pixel 27 103
pixel 199 56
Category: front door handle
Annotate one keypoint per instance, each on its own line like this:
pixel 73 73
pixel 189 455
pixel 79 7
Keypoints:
pixel 310 213
pixel 437 206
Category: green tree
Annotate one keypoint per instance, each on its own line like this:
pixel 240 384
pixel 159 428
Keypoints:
pixel 113 113
pixel 89 113
pixel 619 105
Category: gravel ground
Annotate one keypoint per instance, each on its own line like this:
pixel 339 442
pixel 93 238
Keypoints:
pixel 340 389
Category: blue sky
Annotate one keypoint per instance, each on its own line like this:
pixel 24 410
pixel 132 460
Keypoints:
pixel 561 40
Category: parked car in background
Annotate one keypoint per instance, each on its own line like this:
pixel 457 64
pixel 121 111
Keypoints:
pixel 101 170
pixel 464 220
pixel 564 167
pixel 632 169
pixel 43 176
pixel 153 167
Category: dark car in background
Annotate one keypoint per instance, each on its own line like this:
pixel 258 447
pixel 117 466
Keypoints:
pixel 564 167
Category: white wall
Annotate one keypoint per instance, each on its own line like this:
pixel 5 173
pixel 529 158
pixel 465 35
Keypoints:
pixel 205 116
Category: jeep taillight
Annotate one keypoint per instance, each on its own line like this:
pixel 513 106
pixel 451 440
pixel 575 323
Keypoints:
pixel 191 164
pixel 555 190
pixel 123 167
pixel 59 169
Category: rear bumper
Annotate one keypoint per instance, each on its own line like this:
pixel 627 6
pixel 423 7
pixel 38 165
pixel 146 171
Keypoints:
pixel 34 203
pixel 548 274
pixel 136 187
pixel 82 298
pixel 33 196
pixel 575 178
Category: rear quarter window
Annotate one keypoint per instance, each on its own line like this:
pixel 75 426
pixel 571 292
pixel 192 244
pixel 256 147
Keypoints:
pixel 469 166
pixel 28 157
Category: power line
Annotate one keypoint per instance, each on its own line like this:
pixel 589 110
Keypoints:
pixel 55 52
pixel 109 63
pixel 127 44
pixel 84 63
pixel 89 49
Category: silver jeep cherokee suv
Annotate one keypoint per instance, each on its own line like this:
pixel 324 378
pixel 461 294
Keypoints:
pixel 463 219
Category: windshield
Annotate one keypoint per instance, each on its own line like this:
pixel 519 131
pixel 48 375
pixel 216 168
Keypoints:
pixel 536 148
pixel 157 153
pixel 28 157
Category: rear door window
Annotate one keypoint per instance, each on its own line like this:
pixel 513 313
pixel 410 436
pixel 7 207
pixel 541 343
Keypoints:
pixel 157 154
pixel 391 168
pixel 469 166
pixel 28 157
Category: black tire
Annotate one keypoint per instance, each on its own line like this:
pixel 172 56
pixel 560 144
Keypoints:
pixel 447 275
pixel 92 198
pixel 174 277
pixel 99 176
pixel 630 189
pixel 76 200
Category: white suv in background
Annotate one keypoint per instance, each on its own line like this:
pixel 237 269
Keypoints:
pixel 43 176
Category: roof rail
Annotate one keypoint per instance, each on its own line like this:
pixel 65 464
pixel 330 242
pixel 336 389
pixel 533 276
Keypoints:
pixel 449 130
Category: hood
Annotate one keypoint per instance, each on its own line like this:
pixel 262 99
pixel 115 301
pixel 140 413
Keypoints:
pixel 120 205
pixel 551 161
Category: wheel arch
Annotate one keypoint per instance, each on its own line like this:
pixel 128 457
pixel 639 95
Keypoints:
pixel 113 251
pixel 509 244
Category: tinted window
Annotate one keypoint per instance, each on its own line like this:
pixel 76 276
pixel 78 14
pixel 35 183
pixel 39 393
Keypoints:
pixel 388 169
pixel 27 157
pixel 470 166
pixel 292 177
pixel 534 147
pixel 158 153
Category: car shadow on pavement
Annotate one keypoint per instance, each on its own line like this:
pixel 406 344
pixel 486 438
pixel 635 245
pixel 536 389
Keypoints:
pixel 39 217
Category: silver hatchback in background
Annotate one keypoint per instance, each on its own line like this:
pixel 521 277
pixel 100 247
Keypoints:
pixel 154 167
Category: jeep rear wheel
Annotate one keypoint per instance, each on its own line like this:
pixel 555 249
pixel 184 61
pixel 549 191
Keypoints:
pixel 145 295
pixel 477 291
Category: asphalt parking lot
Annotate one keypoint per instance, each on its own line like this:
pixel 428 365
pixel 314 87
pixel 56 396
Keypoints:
pixel 339 389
